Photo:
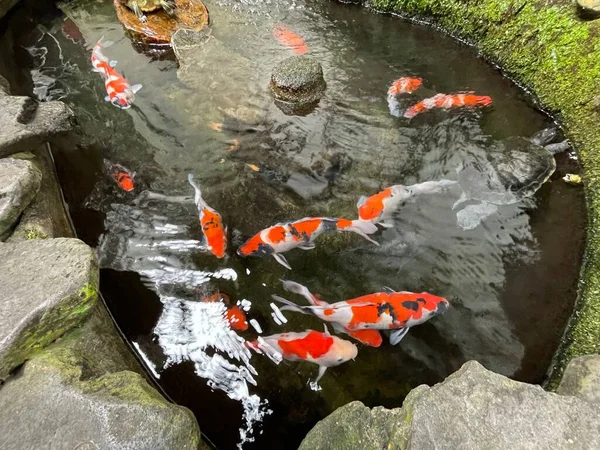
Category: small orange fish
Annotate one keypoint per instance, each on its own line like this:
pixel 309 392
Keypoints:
pixel 254 167
pixel 211 222
pixel 216 126
pixel 290 39
pixel 123 176
pixel 405 85
pixel 234 314
pixel 447 101
pixel 233 145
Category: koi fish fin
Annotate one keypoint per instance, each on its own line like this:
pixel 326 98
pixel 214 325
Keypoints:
pixel 289 306
pixel 198 200
pixel 326 330
pixel 338 328
pixel 386 224
pixel 107 99
pixel 463 198
pixel 314 385
pixel 361 201
pixel 397 336
pixel 112 63
pixel 307 246
pixel 363 228
pixel 299 289
pixel 136 87
pixel 281 260
pixel 388 290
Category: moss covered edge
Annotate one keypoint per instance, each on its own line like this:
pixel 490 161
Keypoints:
pixel 546 47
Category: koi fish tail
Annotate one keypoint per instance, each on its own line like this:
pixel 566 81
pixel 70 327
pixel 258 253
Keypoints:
pixel 198 200
pixel 302 290
pixel 261 346
pixel 103 43
pixel 431 187
pixel 482 100
pixel 289 305
pixel 363 228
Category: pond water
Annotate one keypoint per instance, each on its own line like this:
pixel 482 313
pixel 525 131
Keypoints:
pixel 511 280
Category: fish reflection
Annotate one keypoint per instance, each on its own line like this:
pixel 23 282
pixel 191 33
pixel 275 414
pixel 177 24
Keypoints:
pixel 234 314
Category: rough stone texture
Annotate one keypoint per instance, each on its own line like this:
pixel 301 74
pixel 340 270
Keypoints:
pixel 48 287
pixel 4 87
pixel 19 183
pixel 45 217
pixel 472 409
pixel 80 393
pixel 582 379
pixel 298 79
pixel 27 123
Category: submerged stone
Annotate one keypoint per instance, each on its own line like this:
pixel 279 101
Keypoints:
pixel 27 122
pixel 48 287
pixel 19 183
pixel 472 409
pixel 298 79
pixel 582 379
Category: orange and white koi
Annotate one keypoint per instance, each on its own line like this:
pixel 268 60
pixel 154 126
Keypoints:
pixel 379 208
pixel 122 175
pixel 371 338
pixel 299 234
pixel 447 101
pixel 405 85
pixel 101 63
pixel 312 346
pixel 389 310
pixel 290 39
pixel 211 222
pixel 119 92
pixel 234 314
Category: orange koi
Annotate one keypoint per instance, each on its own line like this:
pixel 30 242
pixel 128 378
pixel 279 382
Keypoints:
pixel 312 346
pixel 122 175
pixel 290 39
pixel 212 225
pixel 119 92
pixel 405 85
pixel 389 310
pixel 447 101
pixel 299 234
pixel 234 314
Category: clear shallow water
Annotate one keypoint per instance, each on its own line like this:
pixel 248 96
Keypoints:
pixel 511 281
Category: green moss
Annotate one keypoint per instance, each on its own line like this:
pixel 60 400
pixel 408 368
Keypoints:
pixel 544 46
pixel 128 386
pixel 31 234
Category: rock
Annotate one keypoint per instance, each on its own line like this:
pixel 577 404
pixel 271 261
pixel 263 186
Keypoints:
pixel 19 183
pixel 298 79
pixel 472 409
pixel 27 123
pixel 4 86
pixel 160 26
pixel 5 6
pixel 48 288
pixel 45 217
pixel 582 379
pixel 589 8
pixel 67 398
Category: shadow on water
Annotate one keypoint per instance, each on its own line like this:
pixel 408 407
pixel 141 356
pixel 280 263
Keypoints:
pixel 511 279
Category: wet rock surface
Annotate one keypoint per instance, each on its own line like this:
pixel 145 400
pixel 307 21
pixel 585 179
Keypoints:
pixel 582 379
pixel 472 409
pixel 83 393
pixel 27 123
pixel 19 183
pixel 298 79
pixel 48 287
pixel 590 8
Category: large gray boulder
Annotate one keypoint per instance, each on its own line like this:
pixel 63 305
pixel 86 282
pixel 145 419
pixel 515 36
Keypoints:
pixel 19 183
pixel 48 287
pixel 27 123
pixel 582 378
pixel 82 393
pixel 472 409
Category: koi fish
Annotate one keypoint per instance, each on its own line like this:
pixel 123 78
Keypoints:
pixel 211 222
pixel 122 175
pixel 405 85
pixel 234 314
pixel 290 39
pixel 312 346
pixel 300 234
pixel 101 63
pixel 379 208
pixel 119 92
pixel 371 338
pixel 447 101
pixel 390 310
pixel 71 31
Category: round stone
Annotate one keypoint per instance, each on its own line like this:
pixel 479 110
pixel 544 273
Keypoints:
pixel 589 8
pixel 298 79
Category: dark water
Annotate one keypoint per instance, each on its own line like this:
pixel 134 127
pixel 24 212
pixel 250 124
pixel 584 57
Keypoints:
pixel 511 280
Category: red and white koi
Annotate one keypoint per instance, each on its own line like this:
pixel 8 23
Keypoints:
pixel 299 234
pixel 119 92
pixel 390 310
pixel 405 85
pixel 121 174
pixel 312 346
pixel 211 222
pixel 447 101
pixel 378 208
pixel 101 63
